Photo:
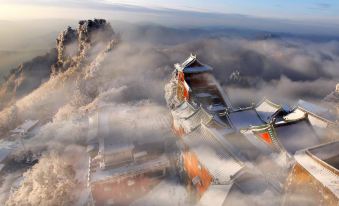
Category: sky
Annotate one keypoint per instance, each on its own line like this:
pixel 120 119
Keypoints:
pixel 319 10
pixel 296 16
pixel 265 8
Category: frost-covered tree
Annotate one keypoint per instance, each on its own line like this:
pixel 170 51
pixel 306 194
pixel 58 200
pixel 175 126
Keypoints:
pixel 50 182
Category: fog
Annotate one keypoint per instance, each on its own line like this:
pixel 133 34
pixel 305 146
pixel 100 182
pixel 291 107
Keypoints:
pixel 130 79
pixel 23 40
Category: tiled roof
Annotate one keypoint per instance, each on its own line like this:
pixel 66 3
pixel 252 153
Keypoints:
pixel 266 110
pixel 184 110
pixel 296 135
pixel 243 119
pixel 130 170
pixel 211 154
pixel 192 65
pixel 193 121
pixel 327 177
pixel 316 110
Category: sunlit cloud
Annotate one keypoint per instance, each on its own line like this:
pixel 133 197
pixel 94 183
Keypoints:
pixel 326 11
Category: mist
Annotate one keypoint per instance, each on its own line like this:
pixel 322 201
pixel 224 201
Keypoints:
pixel 130 79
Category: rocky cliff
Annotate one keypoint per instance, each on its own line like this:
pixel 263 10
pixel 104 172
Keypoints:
pixel 77 45
pixel 62 80
pixel 74 48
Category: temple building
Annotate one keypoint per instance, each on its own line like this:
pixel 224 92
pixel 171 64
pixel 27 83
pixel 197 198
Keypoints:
pixel 314 179
pixel 227 155
pixel 321 118
pixel 231 152
pixel 195 83
pixel 121 171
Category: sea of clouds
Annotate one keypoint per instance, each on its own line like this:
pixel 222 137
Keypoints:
pixel 130 80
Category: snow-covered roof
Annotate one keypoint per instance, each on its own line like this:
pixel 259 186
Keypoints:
pixel 329 178
pixel 110 146
pixel 25 127
pixel 316 111
pixel 270 136
pixel 193 121
pixel 212 155
pixel 110 149
pixel 223 119
pixel 220 126
pixel 274 151
pixel 243 119
pixel 296 135
pixel 326 151
pixel 267 109
pixel 233 142
pixel 216 107
pixel 184 110
pixel 201 116
pixel 131 169
pixel 296 114
pixel 300 113
pixel 252 189
pixel 192 65
pixel 257 142
pixel 203 95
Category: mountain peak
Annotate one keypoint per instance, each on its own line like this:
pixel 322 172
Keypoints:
pixel 74 44
pixel 75 47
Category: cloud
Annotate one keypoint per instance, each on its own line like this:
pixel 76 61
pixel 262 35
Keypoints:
pixel 291 68
pixel 129 82
pixel 50 182
pixel 323 5
pixel 137 70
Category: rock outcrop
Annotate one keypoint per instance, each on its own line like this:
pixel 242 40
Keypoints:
pixel 74 48
pixel 63 41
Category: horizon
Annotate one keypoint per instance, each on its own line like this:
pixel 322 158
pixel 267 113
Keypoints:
pixel 305 17
pixel 301 10
pixel 136 102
